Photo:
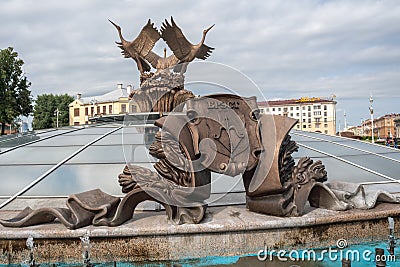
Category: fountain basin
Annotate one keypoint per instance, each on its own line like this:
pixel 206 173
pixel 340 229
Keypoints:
pixel 226 231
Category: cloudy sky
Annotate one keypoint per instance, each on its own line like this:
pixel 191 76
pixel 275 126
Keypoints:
pixel 289 49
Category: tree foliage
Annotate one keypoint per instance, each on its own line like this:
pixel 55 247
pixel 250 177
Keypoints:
pixel 44 114
pixel 15 97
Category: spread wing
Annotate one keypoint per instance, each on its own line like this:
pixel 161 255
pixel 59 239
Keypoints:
pixel 159 62
pixel 152 58
pixel 175 39
pixel 146 39
pixel 204 51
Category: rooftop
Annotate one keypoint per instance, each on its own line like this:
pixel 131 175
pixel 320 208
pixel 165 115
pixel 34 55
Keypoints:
pixel 303 100
pixel 115 95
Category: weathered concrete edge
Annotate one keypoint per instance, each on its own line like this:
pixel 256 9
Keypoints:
pixel 192 246
pixel 243 222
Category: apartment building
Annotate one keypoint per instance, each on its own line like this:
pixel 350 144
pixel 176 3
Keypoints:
pixel 313 114
pixel 384 126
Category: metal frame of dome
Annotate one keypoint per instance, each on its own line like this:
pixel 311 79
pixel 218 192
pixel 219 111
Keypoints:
pixel 43 164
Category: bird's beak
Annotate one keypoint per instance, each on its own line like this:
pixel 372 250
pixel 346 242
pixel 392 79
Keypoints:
pixel 209 28
pixel 115 25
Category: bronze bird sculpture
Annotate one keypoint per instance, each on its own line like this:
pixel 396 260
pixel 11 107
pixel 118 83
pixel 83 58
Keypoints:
pixel 182 48
pixel 161 63
pixel 139 48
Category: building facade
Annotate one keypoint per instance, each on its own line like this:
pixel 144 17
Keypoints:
pixel 397 126
pixel 384 126
pixel 112 103
pixel 356 130
pixel 313 114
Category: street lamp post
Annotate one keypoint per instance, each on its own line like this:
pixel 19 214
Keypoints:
pixel 371 110
pixel 57 113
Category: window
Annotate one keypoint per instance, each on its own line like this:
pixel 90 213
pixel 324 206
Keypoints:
pixel 325 119
pixel 86 111
pixel 279 109
pixel 317 119
pixel 326 131
pixel 304 114
pixel 309 114
pixel 325 113
pixel 104 109
pixel 326 125
pixel 297 114
pixel 304 108
pixel 309 120
pixel 304 120
pixel 309 108
pixel 110 109
pixel 291 114
pixel 273 109
pixel 123 108
pixel 297 108
pixel 267 110
pixel 304 126
pixel 261 110
pixel 317 125
pixel 98 109
pixel 76 112
pixel 317 113
pixel 291 108
pixel 298 126
pixel 325 107
pixel 76 123
pixel 92 110
pixel 134 108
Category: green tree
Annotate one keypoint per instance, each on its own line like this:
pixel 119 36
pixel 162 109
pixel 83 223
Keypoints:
pixel 44 114
pixel 15 98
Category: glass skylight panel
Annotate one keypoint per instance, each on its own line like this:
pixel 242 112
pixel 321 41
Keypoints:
pixel 35 155
pixel 119 139
pixel 99 154
pixel 381 165
pixel 13 142
pixel 14 178
pixel 333 149
pixel 66 140
pixel 92 130
pixel 341 171
pixel 369 147
pixel 72 179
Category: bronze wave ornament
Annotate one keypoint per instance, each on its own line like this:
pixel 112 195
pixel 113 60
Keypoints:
pixel 220 133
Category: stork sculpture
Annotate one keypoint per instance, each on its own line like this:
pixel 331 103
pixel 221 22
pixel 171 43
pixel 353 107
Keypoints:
pixel 182 48
pixel 139 48
pixel 161 63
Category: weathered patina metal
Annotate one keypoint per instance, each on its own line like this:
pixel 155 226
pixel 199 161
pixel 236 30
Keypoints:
pixel 161 91
pixel 220 133
pixel 182 48
pixel 140 47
